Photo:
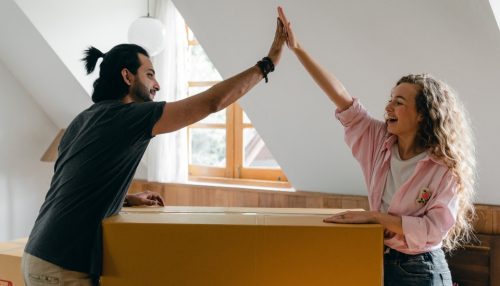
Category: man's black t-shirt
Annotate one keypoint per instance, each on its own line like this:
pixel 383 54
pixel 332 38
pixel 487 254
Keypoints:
pixel 98 156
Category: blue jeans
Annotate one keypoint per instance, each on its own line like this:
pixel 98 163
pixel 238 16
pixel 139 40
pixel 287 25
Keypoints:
pixel 426 269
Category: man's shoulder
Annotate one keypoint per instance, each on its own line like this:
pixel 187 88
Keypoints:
pixel 136 109
pixel 105 110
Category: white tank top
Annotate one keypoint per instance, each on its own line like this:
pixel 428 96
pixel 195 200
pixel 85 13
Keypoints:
pixel 399 172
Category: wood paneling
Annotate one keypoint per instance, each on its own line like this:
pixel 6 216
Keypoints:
pixel 205 195
pixel 477 264
pixel 495 212
pixel 484 219
pixel 487 220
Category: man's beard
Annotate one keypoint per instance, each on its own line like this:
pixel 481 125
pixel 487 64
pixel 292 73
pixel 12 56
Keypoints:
pixel 140 92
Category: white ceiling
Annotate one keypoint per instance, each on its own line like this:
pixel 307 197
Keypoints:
pixel 495 6
pixel 37 67
pixel 367 44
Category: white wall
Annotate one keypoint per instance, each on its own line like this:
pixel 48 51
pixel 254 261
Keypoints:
pixel 71 26
pixel 37 67
pixel 368 44
pixel 25 133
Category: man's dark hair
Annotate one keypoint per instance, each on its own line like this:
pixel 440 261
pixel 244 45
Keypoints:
pixel 110 84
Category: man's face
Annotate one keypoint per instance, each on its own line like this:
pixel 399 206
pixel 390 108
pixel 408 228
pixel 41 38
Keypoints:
pixel 144 86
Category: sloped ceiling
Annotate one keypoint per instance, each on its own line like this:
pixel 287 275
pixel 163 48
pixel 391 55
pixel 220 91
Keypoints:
pixel 495 6
pixel 367 44
pixel 37 67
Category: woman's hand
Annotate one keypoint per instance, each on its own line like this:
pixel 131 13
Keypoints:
pixel 277 46
pixel 332 87
pixel 291 41
pixel 392 223
pixel 352 217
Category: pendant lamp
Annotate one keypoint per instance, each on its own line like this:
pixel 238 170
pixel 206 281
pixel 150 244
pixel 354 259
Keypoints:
pixel 149 33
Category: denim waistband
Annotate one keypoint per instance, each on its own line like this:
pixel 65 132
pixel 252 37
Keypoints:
pixel 434 260
pixel 394 254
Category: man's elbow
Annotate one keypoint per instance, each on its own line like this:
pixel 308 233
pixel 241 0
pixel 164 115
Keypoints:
pixel 215 104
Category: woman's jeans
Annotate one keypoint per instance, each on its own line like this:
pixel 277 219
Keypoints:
pixel 424 269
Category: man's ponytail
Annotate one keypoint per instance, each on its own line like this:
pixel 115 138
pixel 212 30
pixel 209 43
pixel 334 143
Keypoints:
pixel 91 55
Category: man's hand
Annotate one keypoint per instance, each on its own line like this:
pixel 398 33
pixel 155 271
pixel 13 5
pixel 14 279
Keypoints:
pixel 146 198
pixel 279 41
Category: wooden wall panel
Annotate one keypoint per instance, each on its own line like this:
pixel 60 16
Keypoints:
pixel 496 221
pixel 484 219
pixel 478 264
pixel 487 221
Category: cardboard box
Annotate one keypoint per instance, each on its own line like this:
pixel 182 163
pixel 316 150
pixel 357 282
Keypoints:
pixel 193 209
pixel 10 263
pixel 238 246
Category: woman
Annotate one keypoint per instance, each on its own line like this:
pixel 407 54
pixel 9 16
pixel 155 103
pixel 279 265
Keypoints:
pixel 418 167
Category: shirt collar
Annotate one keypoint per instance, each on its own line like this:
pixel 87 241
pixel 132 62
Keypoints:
pixel 390 140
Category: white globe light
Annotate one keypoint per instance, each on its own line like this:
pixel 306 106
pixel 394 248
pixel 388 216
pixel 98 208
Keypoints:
pixel 148 33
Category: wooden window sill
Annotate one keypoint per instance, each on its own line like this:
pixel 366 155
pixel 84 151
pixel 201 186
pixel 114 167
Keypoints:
pixel 241 183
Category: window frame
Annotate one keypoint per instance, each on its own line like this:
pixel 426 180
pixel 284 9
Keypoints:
pixel 234 126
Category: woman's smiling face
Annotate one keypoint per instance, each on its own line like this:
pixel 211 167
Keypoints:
pixel 401 111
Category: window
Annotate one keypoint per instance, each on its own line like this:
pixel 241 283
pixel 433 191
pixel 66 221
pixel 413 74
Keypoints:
pixel 225 144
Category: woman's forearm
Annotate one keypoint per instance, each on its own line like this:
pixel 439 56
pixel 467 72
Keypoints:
pixel 390 222
pixel 333 88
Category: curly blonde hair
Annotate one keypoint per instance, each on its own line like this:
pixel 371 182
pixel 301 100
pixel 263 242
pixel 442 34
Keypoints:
pixel 446 132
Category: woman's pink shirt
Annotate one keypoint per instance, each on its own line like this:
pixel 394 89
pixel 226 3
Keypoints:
pixel 425 224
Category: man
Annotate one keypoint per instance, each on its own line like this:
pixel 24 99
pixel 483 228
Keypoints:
pixel 100 151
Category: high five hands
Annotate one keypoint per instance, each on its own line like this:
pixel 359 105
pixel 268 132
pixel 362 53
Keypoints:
pixel 291 41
